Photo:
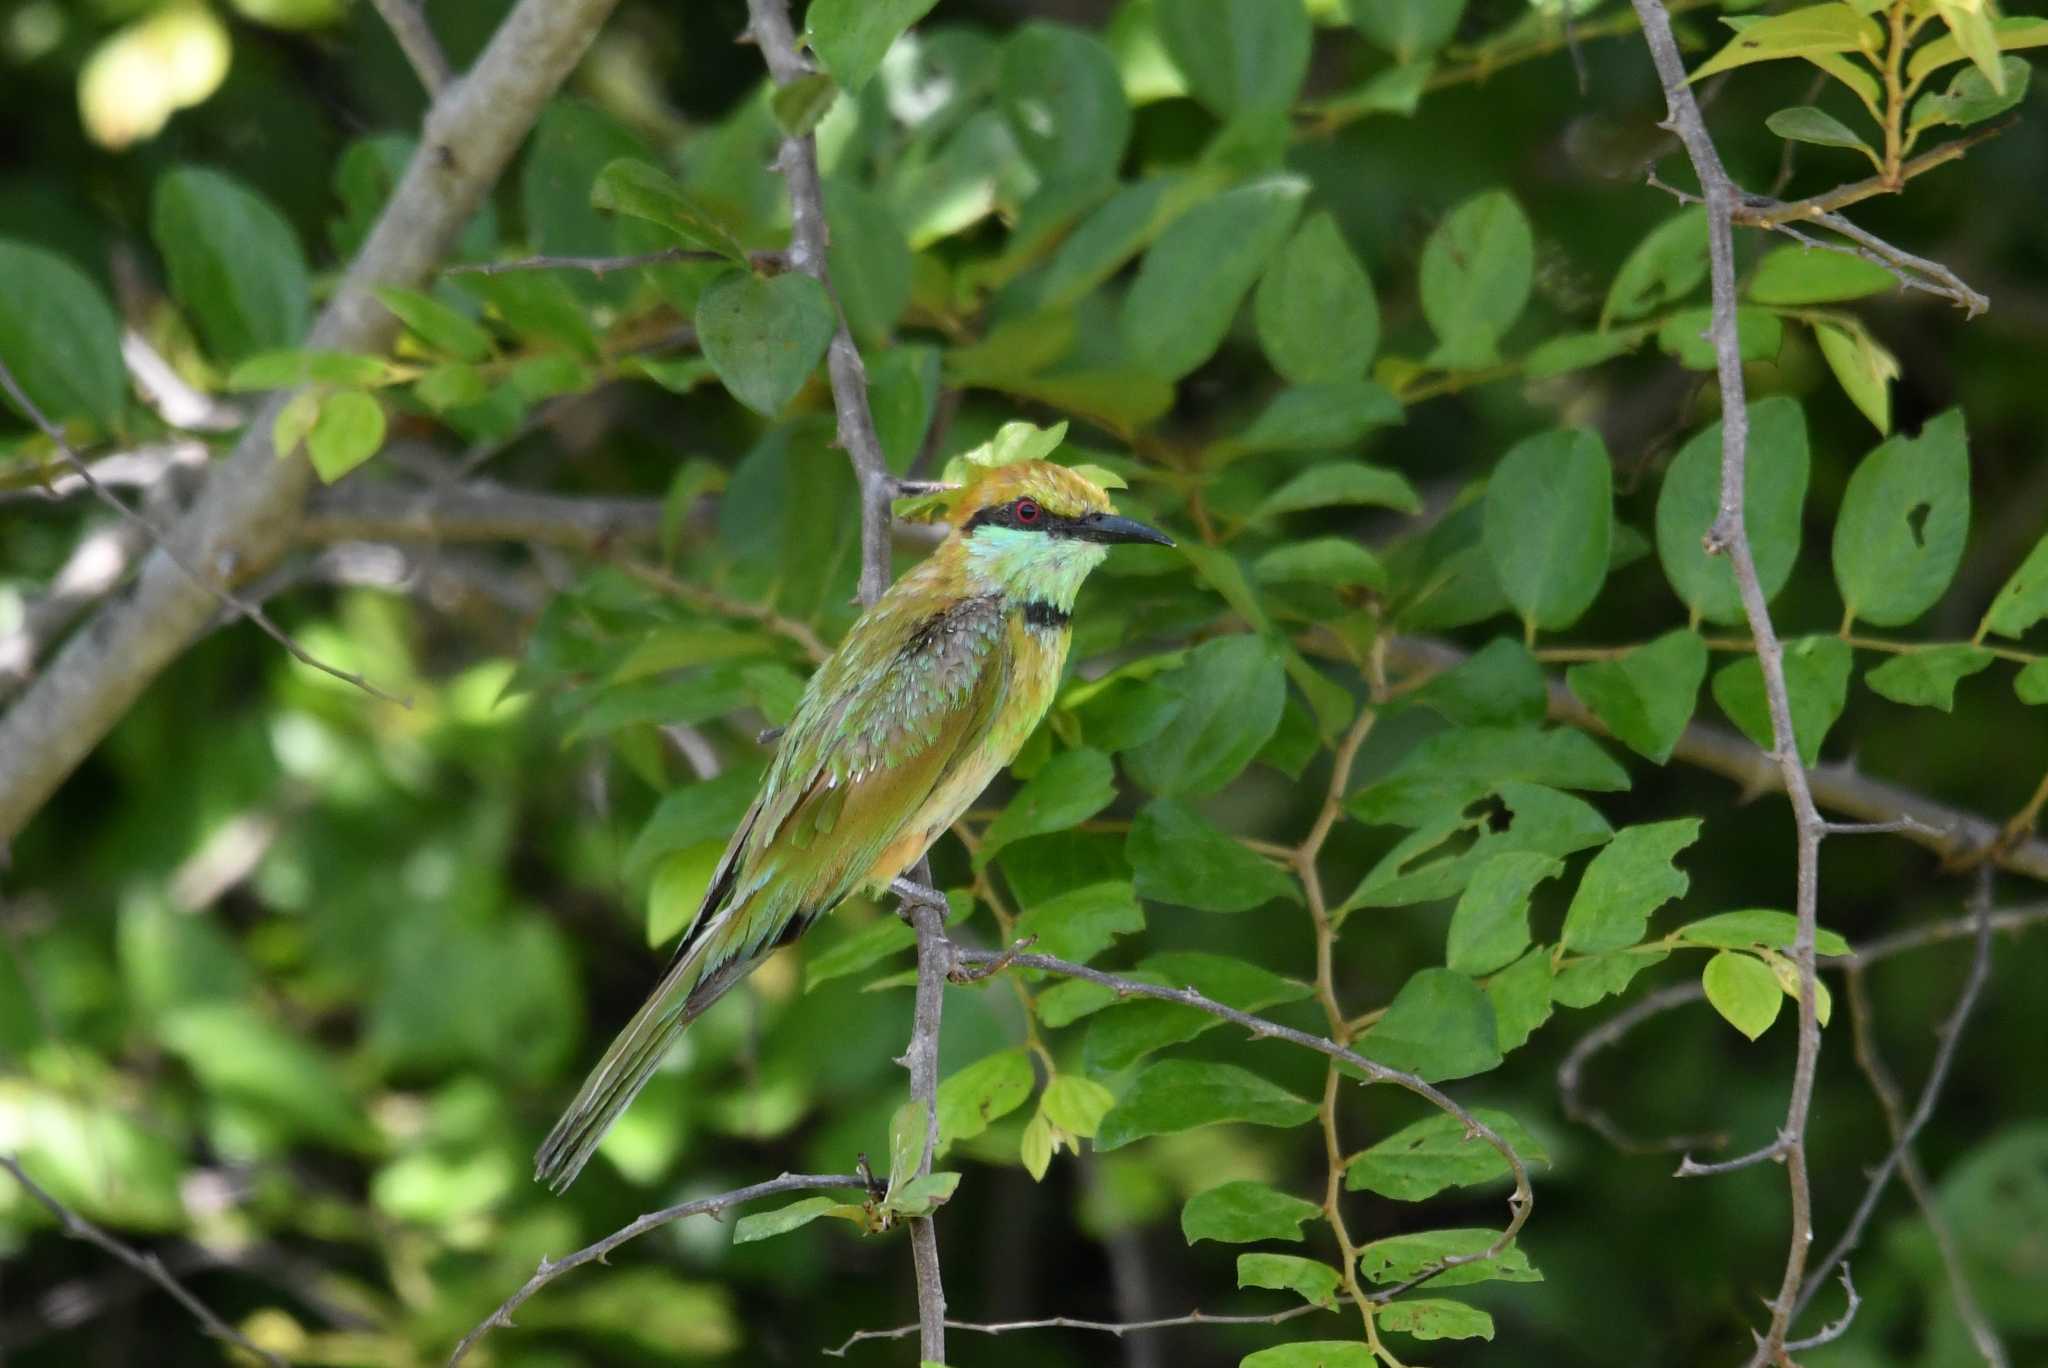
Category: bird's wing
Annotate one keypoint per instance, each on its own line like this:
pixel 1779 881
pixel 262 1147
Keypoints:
pixel 906 700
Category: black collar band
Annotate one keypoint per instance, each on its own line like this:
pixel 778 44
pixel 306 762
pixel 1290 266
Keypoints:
pixel 1039 613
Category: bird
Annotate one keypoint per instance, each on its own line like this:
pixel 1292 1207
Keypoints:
pixel 931 693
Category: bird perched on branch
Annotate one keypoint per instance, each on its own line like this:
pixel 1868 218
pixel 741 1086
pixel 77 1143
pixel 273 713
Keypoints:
pixel 930 694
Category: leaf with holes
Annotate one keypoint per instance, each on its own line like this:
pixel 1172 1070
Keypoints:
pixel 1434 1318
pixel 1440 856
pixel 1905 516
pixel 2023 601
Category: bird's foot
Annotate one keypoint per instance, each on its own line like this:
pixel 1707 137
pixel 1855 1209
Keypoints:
pixel 912 895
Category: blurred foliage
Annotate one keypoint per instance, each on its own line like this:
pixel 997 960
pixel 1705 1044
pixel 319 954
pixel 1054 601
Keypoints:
pixel 1368 303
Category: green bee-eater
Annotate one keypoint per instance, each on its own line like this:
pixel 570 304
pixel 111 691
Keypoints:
pixel 932 692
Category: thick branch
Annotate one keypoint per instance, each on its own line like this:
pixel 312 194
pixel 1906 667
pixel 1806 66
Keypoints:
pixel 244 518
pixel 550 1269
pixel 358 511
pixel 148 1265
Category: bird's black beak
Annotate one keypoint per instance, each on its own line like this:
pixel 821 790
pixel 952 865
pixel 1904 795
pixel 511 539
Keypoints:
pixel 1108 527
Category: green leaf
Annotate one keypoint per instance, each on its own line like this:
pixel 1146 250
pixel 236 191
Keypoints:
pixel 1182 1094
pixel 571 146
pixel 865 948
pixel 1664 268
pixel 1409 29
pixel 59 338
pixel 294 420
pixel 1490 925
pixel 1231 691
pixel 1240 56
pixel 1439 1026
pixel 1102 242
pixel 1477 268
pixel 869 260
pixel 1131 1029
pixel 2010 33
pixel 1928 679
pixel 1081 923
pixel 1773 495
pixel 1312 1280
pixel 1970 24
pixel 235 263
pixel 1758 927
pixel 1417 1162
pixel 348 432
pixel 693 814
pixel 1068 789
pixel 2023 601
pixel 2031 683
pixel 1627 881
pixel 1312 1354
pixel 1549 522
pixel 1341 483
pixel 1314 418
pixel 1398 1259
pixel 1520 995
pixel 1500 685
pixel 289 366
pixel 1430 863
pixel 1577 351
pixel 1825 28
pixel 537 306
pixel 1587 981
pixel 1864 369
pixel 644 191
pixel 241 1056
pixel 1035 1146
pixel 437 325
pixel 800 106
pixel 851 36
pixel 1191 280
pixel 1244 1212
pixel 1434 1318
pixel 1646 697
pixel 768 1224
pixel 1759 336
pixel 1060 90
pixel 1971 97
pixel 1817 672
pixel 1076 1104
pixel 1811 124
pixel 1453 769
pixel 986 1090
pixel 1905 516
pixel 1333 561
pixel 1816 275
pixel 1178 857
pixel 921 1196
pixel 1743 990
pixel 1317 316
pixel 765 337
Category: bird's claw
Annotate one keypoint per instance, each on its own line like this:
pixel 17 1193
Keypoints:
pixel 911 895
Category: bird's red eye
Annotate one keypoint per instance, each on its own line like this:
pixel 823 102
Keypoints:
pixel 1027 510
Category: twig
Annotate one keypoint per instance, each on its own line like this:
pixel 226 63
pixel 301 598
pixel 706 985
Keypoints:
pixel 934 966
pixel 1840 787
pixel 149 1265
pixel 162 540
pixel 1834 1329
pixel 1117 1328
pixel 1951 1034
pixel 1730 536
pixel 1886 1090
pixel 416 40
pixel 1761 211
pixel 600 267
pixel 1606 1036
pixel 1519 1202
pixel 550 1269
pixel 251 499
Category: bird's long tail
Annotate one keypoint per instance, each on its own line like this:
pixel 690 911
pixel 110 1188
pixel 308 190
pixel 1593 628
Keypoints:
pixel 699 977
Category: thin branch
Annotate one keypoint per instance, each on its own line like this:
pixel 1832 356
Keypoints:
pixel 769 261
pixel 416 40
pixel 242 520
pixel 149 1265
pixel 1117 1328
pixel 1519 1202
pixel 239 606
pixel 1761 211
pixel 1835 1329
pixel 1730 536
pixel 1608 1034
pixel 1886 1090
pixel 550 1269
pixel 1951 833
pixel 1951 1034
